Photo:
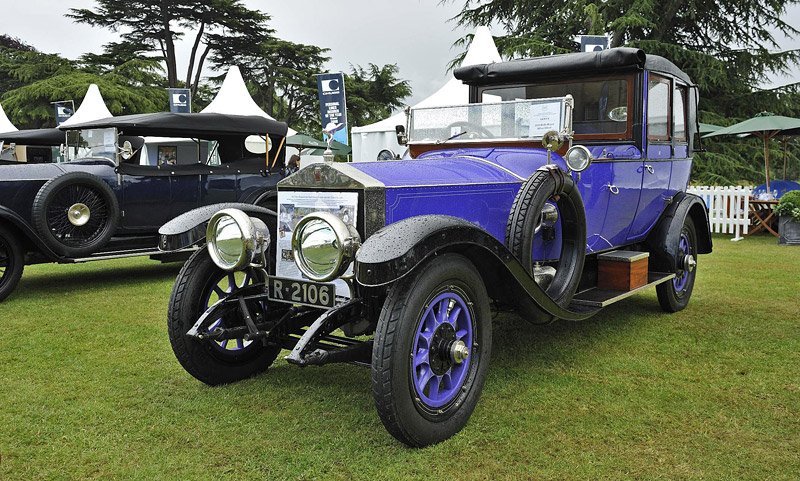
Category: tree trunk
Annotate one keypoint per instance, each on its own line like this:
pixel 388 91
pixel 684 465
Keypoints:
pixel 193 55
pixel 172 70
pixel 200 70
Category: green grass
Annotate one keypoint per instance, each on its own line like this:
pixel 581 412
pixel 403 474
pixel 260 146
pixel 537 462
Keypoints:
pixel 89 389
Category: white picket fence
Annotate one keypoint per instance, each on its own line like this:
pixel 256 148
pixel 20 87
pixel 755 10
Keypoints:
pixel 727 208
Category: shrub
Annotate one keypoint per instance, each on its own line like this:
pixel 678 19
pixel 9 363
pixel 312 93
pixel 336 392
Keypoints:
pixel 789 205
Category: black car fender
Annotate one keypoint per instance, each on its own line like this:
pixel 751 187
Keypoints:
pixel 663 239
pixel 397 249
pixel 189 228
pixel 13 219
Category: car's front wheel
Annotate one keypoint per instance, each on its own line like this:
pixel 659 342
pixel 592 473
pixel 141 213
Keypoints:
pixel 12 262
pixel 201 284
pixel 431 351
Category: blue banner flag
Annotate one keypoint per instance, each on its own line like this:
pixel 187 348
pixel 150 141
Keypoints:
pixel 180 100
pixel 333 105
pixel 64 110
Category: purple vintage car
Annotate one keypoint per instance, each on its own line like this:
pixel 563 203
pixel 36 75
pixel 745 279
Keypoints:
pixel 563 176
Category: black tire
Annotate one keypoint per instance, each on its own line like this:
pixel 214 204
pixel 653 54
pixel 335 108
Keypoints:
pixel 204 359
pixel 12 261
pixel 674 295
pixel 559 188
pixel 51 218
pixel 399 406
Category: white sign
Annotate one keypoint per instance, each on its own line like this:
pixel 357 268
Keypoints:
pixel 544 117
pixel 292 207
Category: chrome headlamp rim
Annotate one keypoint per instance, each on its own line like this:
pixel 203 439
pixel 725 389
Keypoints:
pixel 586 153
pixel 347 241
pixel 249 239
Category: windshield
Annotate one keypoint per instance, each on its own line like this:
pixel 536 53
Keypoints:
pixel 523 120
pixel 92 143
pixel 601 105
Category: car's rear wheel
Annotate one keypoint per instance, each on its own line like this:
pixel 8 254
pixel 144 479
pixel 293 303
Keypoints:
pixel 431 351
pixel 12 262
pixel 75 214
pixel 199 285
pixel 674 296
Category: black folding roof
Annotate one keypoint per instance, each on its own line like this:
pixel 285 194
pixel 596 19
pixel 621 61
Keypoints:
pixel 200 125
pixel 570 64
pixel 49 137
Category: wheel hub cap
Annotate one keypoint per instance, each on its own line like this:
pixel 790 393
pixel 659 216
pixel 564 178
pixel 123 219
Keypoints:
pixel 459 352
pixel 689 263
pixel 78 214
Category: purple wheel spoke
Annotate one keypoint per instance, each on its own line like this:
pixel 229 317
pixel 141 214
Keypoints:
pixel 435 382
pixel 461 333
pixel 424 378
pixel 454 315
pixel 219 292
pixel 421 358
pixel 231 283
pixel 239 343
pixel 224 344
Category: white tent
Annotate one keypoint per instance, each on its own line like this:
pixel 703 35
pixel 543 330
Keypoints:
pixel 92 108
pixel 5 124
pixel 369 140
pixel 234 99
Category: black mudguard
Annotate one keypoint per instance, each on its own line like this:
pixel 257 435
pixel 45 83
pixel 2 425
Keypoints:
pixel 398 248
pixel 189 228
pixel 12 218
pixel 663 239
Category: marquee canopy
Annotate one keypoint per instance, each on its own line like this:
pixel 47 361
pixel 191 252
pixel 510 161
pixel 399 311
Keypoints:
pixel 369 140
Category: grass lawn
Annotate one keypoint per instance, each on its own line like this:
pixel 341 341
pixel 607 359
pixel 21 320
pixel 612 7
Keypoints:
pixel 89 389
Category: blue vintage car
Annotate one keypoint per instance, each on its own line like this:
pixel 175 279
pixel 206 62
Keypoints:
pixel 558 190
pixel 110 200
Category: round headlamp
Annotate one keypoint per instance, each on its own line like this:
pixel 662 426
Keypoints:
pixel 323 246
pixel 578 158
pixel 234 238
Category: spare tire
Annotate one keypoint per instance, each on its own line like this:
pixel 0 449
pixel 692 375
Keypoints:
pixel 556 187
pixel 75 214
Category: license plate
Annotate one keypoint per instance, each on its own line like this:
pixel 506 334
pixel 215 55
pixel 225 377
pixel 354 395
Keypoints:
pixel 295 291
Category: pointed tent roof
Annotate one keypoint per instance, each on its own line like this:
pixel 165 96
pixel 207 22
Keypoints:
pixel 234 99
pixel 92 108
pixel 5 124
pixel 481 50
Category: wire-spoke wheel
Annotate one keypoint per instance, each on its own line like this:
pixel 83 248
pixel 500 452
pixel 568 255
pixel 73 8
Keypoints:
pixel 75 214
pixel 431 351
pixel 12 261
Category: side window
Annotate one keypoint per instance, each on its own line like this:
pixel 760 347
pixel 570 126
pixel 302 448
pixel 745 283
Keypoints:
pixel 679 114
pixel 658 108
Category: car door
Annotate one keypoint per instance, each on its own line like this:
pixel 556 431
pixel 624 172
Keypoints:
pixel 146 197
pixel 665 113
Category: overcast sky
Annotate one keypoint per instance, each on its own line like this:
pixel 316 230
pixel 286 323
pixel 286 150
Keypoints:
pixel 414 34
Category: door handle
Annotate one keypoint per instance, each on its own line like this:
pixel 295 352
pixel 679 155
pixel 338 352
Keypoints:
pixel 650 169
pixel 613 189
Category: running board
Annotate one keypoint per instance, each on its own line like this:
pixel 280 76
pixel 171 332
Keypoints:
pixel 595 297
pixel 123 254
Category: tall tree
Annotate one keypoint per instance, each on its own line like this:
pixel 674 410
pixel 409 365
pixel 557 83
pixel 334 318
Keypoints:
pixel 158 24
pixel 37 79
pixel 374 92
